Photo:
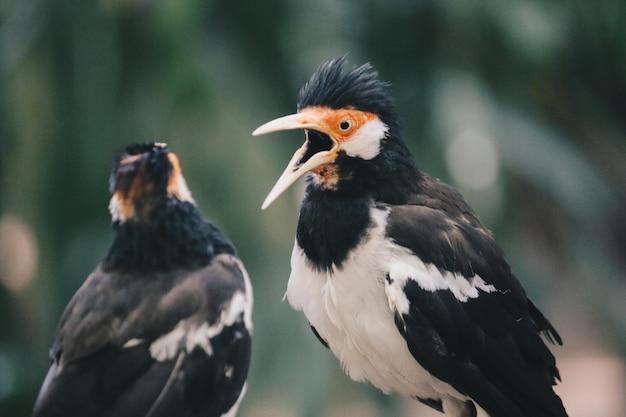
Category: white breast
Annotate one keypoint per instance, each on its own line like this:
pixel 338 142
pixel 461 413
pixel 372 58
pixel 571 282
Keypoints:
pixel 350 310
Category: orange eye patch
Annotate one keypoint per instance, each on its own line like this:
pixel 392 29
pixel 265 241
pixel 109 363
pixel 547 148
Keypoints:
pixel 340 124
pixel 344 122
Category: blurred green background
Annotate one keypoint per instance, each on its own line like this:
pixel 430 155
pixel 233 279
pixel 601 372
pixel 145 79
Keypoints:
pixel 521 105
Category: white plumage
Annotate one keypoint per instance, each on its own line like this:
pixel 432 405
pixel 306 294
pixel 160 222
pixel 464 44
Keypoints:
pixel 351 308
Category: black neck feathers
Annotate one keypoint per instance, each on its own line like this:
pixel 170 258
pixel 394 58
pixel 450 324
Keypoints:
pixel 174 237
pixel 331 224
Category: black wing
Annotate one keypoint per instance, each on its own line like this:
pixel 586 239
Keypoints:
pixel 135 346
pixel 487 347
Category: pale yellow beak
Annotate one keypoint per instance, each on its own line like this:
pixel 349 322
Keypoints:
pixel 295 169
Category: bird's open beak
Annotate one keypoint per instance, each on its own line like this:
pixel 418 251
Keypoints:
pixel 308 119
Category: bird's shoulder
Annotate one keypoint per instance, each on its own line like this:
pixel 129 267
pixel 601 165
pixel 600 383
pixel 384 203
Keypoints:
pixel 446 236
pixel 111 308
pixel 433 193
pixel 461 309
pixel 440 228
pixel 164 342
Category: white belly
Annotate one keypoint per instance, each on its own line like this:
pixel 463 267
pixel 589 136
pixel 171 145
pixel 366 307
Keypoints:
pixel 350 310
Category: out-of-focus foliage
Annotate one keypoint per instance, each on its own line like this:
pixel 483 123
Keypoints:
pixel 521 105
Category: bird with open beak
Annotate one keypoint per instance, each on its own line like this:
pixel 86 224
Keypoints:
pixel 394 271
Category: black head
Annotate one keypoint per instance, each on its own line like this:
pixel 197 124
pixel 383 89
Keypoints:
pixel 358 88
pixel 144 176
pixel 156 222
pixel 353 142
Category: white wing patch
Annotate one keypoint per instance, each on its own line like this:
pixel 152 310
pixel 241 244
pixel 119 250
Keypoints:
pixel 394 289
pixel 366 340
pixel 188 334
pixel 430 278
pixel 132 343
pixel 167 346
pixel 243 302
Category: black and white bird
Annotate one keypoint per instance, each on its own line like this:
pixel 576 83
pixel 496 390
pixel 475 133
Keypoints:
pixel 395 272
pixel 162 326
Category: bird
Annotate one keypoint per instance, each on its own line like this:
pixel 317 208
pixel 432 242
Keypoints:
pixel 163 325
pixel 395 272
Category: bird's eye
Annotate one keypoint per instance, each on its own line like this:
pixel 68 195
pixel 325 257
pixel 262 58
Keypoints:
pixel 345 125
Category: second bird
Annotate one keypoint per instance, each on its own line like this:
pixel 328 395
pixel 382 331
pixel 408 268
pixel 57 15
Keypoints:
pixel 395 272
pixel 162 326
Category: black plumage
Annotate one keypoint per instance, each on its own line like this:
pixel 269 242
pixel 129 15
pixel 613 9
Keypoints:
pixel 330 227
pixel 394 270
pixel 331 86
pixel 162 326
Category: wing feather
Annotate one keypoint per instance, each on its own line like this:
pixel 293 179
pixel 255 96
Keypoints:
pixel 102 359
pixel 488 346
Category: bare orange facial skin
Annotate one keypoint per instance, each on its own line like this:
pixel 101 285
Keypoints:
pixel 172 183
pixel 339 124
pixel 126 207
pixel 129 200
pixel 138 190
pixel 175 163
pixel 343 123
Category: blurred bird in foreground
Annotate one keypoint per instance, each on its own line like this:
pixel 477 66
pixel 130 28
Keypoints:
pixel 395 272
pixel 162 326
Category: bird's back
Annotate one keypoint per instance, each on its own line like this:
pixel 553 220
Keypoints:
pixel 162 326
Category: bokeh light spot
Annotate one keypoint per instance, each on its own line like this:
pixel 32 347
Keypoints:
pixel 473 159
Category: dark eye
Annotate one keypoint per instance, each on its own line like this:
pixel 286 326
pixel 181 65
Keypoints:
pixel 345 125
